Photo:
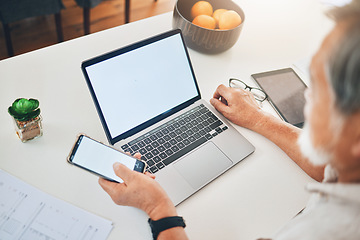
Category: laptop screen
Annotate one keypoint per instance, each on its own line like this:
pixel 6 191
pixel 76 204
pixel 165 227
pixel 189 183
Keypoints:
pixel 135 86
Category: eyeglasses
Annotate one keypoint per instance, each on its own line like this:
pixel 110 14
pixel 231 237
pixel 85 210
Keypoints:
pixel 258 93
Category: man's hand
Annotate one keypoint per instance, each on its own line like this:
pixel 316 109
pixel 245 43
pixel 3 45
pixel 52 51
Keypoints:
pixel 239 106
pixel 140 191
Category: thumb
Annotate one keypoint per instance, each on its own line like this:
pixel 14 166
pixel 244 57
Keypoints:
pixel 218 105
pixel 122 171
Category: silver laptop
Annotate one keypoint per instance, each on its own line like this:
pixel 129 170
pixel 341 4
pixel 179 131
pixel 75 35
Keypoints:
pixel 148 101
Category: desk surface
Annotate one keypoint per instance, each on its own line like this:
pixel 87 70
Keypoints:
pixel 253 199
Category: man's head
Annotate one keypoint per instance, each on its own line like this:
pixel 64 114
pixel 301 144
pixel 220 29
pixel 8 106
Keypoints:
pixel 332 129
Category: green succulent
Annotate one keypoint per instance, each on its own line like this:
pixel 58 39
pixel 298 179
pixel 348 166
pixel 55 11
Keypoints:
pixel 23 109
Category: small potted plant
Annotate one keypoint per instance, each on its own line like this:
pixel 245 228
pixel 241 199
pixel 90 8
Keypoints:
pixel 27 119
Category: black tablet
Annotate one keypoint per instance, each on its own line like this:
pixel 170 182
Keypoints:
pixel 285 91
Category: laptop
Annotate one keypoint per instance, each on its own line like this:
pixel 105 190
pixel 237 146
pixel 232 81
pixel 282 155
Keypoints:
pixel 148 101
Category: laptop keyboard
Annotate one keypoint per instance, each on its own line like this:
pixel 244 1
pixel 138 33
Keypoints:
pixel 165 144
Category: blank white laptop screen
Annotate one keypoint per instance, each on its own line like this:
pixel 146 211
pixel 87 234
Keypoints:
pixel 139 85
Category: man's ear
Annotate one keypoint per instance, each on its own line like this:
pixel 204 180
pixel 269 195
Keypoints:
pixel 353 130
pixel 355 150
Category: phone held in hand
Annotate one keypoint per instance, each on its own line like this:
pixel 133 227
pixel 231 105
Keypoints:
pixel 99 158
pixel 285 91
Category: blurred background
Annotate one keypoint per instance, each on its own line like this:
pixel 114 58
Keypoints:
pixel 40 31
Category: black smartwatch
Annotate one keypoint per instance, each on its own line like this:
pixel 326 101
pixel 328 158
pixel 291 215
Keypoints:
pixel 165 223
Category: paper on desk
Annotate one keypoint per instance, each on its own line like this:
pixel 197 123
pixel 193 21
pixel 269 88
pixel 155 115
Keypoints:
pixel 28 213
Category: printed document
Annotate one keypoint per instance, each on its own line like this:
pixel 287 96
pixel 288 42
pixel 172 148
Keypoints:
pixel 28 213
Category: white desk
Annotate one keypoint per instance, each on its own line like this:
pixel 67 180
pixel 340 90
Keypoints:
pixel 253 199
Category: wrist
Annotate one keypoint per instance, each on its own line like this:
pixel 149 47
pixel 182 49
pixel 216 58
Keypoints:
pixel 163 209
pixel 272 127
pixel 261 120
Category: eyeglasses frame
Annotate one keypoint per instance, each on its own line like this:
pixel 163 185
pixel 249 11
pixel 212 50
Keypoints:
pixel 250 88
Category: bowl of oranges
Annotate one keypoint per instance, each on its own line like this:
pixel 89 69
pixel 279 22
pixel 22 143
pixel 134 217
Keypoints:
pixel 210 26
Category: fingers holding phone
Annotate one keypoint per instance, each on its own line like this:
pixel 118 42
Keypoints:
pixel 138 190
pixel 117 191
pixel 138 156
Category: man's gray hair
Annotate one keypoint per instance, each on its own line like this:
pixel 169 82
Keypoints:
pixel 344 60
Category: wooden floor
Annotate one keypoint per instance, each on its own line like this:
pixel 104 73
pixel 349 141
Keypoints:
pixel 38 32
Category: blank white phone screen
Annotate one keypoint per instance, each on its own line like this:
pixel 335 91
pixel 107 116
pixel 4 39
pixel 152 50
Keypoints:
pixel 138 85
pixel 100 158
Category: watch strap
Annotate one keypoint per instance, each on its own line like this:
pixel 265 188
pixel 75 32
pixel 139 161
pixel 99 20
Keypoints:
pixel 165 223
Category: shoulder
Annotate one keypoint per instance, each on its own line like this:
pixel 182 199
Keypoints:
pixel 333 212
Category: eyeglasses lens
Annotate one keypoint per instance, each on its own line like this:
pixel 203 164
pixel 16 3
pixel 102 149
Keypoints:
pixel 258 94
pixel 237 84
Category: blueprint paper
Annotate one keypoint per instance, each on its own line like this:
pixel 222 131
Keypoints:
pixel 28 213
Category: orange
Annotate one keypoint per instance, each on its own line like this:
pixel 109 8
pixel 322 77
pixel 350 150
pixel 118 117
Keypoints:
pixel 205 21
pixel 229 20
pixel 201 8
pixel 216 15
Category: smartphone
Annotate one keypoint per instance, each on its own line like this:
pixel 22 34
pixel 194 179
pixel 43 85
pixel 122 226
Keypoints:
pixel 99 158
pixel 285 91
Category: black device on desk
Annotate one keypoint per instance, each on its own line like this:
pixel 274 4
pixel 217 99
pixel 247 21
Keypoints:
pixel 285 91
pixel 99 158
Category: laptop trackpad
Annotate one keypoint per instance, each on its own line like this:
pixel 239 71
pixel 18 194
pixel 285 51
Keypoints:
pixel 201 166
